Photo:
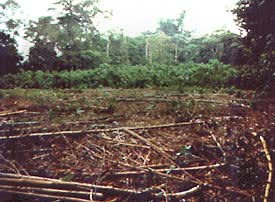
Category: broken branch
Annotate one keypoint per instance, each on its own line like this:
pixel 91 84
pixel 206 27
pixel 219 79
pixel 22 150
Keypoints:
pixel 12 113
pixel 82 132
pixel 270 169
pixel 153 146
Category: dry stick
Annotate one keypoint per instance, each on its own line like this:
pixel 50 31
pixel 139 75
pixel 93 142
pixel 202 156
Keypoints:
pixel 153 146
pixel 181 194
pixel 106 118
pixel 168 100
pixel 52 191
pixel 218 144
pixel 43 182
pixel 270 170
pixel 13 179
pixel 81 132
pixel 128 145
pixel 199 182
pixel 124 143
pixel 175 170
pixel 12 113
pixel 10 163
pixel 108 189
pixel 155 166
pixel 43 195
pixel 164 194
pixel 28 129
pixel 167 156
pixel 18 124
pixel 146 169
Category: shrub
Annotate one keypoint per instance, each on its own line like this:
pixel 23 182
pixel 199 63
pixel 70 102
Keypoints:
pixel 213 75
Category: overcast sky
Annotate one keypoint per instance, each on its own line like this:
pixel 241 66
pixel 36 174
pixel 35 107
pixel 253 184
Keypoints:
pixel 136 16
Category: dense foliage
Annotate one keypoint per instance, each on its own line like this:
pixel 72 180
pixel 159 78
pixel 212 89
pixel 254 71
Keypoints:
pixel 9 57
pixel 213 74
pixel 257 19
pixel 67 42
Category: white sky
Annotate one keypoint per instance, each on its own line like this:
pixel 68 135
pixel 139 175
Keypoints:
pixel 136 16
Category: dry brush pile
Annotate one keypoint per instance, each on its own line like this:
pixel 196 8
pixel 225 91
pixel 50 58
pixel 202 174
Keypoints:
pixel 148 147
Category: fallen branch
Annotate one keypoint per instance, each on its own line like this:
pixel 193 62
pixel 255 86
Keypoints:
pixel 150 170
pixel 32 129
pixel 12 113
pixel 46 196
pixel 32 181
pixel 174 170
pixel 127 144
pixel 59 192
pixel 153 146
pixel 13 124
pixel 218 144
pixel 105 118
pixel 181 194
pixel 155 166
pixel 270 169
pixel 20 184
pixel 82 132
pixel 168 100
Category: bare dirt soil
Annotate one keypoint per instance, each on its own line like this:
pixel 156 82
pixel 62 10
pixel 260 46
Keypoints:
pixel 135 145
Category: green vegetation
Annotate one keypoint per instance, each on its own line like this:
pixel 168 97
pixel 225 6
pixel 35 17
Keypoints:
pixel 68 51
pixel 213 75
pixel 257 19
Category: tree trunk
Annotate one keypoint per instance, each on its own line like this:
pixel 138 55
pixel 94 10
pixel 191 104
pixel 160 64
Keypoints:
pixel 176 53
pixel 108 48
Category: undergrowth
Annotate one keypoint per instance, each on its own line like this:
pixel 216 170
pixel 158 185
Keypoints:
pixel 213 75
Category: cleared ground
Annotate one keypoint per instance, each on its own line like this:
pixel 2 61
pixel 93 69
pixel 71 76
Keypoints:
pixel 135 145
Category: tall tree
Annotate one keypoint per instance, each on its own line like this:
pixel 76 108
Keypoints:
pixel 118 48
pixel 136 50
pixel 42 56
pixel 9 22
pixel 45 35
pixel 44 30
pixel 221 45
pixel 9 57
pixel 174 28
pixel 160 48
pixel 257 20
pixel 77 23
pixel 79 34
pixel 72 34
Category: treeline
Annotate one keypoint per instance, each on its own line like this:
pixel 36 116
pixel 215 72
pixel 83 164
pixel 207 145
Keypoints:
pixel 70 41
pixel 67 40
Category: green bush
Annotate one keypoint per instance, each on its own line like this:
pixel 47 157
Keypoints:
pixel 213 75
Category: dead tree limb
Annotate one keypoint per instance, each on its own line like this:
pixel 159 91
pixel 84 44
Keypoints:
pixel 181 194
pixel 218 144
pixel 71 193
pixel 175 170
pixel 31 181
pixel 12 113
pixel 83 132
pixel 270 169
pixel 46 196
pixel 153 146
